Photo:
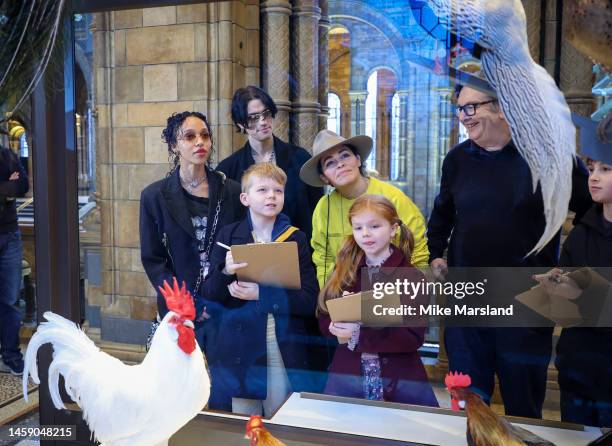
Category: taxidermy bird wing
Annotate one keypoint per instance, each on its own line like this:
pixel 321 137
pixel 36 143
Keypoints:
pixel 539 117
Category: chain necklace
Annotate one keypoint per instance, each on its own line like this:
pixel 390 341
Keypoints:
pixel 190 185
pixel 271 157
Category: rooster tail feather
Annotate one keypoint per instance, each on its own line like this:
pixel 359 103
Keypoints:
pixel 70 346
pixel 54 373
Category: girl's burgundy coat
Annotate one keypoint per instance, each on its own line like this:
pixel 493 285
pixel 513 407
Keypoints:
pixel 404 377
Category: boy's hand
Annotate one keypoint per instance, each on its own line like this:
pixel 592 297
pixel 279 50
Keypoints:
pixel 231 267
pixel 343 329
pixel 14 176
pixel 557 284
pixel 244 290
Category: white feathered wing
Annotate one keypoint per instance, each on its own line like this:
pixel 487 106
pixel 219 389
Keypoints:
pixel 539 117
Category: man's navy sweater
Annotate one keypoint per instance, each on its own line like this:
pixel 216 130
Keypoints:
pixel 488 208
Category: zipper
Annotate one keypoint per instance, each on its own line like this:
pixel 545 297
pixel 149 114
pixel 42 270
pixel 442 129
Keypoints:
pixel 167 246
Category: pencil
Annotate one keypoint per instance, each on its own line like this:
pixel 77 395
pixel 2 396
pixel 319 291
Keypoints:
pixel 223 245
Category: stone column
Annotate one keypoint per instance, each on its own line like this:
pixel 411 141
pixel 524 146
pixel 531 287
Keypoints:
pixel 533 12
pixel 305 71
pixel 433 161
pixel 402 155
pixel 358 117
pixel 324 26
pixel 549 58
pixel 275 59
pixel 576 79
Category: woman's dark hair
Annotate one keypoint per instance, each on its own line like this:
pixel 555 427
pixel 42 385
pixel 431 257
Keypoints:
pixel 170 134
pixel 241 100
pixel 362 168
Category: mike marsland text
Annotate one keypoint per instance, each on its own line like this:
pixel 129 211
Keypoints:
pixel 439 310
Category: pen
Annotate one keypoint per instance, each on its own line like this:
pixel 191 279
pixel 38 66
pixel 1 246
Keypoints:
pixel 223 245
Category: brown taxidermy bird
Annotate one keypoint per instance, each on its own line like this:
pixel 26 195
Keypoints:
pixel 485 427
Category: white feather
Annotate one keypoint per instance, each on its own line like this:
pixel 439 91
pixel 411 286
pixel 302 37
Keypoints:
pixel 139 405
pixel 536 110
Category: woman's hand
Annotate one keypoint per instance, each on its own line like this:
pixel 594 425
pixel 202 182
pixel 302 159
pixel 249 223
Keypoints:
pixel 343 329
pixel 231 267
pixel 557 284
pixel 244 290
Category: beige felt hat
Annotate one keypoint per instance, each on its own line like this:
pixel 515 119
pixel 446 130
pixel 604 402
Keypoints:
pixel 325 141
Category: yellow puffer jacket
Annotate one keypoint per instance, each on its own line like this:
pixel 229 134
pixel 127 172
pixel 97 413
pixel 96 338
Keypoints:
pixel 339 226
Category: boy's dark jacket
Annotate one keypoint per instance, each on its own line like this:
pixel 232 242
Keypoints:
pixel 239 360
pixel 403 374
pixel 10 189
pixel 584 355
pixel 167 240
pixel 300 198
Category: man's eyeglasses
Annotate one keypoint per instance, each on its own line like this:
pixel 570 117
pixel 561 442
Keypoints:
pixel 254 118
pixel 470 109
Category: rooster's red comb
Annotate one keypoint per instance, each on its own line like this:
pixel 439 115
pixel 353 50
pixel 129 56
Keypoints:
pixel 254 422
pixel 457 380
pixel 178 300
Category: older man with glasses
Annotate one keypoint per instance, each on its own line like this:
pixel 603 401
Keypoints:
pixel 488 215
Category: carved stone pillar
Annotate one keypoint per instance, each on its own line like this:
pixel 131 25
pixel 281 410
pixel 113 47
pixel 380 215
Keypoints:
pixel 551 24
pixel 576 79
pixel 358 117
pixel 324 26
pixel 305 71
pixel 533 12
pixel 402 155
pixel 275 59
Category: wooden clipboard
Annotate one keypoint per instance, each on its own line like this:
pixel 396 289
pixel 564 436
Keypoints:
pixel 346 308
pixel 275 264
pixel 563 312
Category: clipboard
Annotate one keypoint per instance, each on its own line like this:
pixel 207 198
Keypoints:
pixel 345 309
pixel 358 307
pixel 275 264
pixel 563 312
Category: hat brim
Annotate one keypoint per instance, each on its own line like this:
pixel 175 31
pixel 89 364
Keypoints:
pixel 309 173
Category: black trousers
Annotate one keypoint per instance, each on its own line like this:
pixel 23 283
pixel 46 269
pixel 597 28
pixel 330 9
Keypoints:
pixel 518 356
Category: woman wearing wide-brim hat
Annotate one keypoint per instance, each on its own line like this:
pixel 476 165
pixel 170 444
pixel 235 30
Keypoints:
pixel 339 162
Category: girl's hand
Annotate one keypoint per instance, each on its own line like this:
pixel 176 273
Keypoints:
pixel 14 176
pixel 557 284
pixel 343 329
pixel 231 267
pixel 244 290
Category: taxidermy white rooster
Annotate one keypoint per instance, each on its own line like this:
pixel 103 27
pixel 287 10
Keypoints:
pixel 138 405
pixel 539 117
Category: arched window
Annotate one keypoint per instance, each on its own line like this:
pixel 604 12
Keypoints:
pixel 333 120
pixel 370 121
pixel 395 137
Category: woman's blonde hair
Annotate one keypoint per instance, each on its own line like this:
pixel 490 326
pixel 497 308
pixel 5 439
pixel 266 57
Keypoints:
pixel 350 254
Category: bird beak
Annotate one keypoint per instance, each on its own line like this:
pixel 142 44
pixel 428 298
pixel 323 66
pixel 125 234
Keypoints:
pixel 189 324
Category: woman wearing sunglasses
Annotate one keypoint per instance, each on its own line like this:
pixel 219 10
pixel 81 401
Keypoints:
pixel 180 216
